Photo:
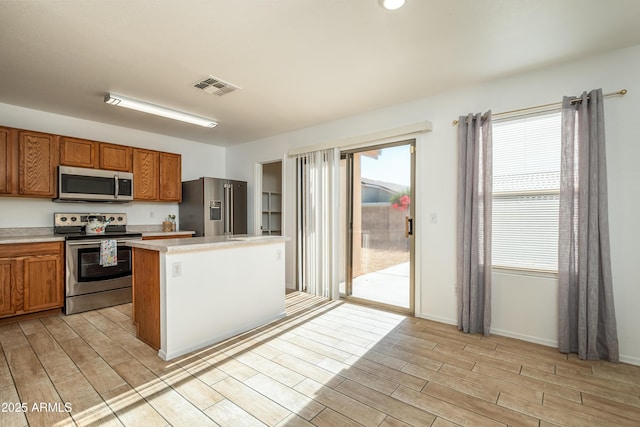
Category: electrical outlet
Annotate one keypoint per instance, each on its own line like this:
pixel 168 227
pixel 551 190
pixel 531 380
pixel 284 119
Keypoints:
pixel 176 269
pixel 150 214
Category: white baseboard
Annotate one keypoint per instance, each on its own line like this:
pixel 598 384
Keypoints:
pixel 632 360
pixel 439 319
pixel 529 338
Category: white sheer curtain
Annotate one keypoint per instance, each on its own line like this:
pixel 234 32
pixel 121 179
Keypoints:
pixel 587 319
pixel 318 190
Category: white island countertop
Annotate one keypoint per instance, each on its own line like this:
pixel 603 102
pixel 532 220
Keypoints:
pixel 203 243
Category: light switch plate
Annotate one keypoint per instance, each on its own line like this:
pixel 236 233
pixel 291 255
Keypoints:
pixel 176 269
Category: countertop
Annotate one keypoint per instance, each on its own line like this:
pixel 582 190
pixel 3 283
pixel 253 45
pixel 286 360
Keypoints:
pixel 45 234
pixel 203 243
pixel 31 239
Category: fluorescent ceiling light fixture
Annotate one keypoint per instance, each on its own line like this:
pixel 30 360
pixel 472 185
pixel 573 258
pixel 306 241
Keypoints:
pixel 392 4
pixel 145 107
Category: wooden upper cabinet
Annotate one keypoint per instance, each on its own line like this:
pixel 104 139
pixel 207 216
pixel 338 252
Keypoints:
pixel 170 177
pixel 145 174
pixel 94 155
pixel 29 164
pixel 6 161
pixel 157 175
pixel 115 157
pixel 78 152
pixel 38 160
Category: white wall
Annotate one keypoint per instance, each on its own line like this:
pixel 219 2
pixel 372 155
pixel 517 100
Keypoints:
pixel 523 306
pixel 197 160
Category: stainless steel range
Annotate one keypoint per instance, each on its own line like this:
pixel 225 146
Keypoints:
pixel 88 284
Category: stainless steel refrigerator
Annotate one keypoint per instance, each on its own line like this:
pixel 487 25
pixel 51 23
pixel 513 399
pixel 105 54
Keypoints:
pixel 214 207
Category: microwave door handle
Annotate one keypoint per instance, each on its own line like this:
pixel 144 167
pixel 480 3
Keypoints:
pixel 117 189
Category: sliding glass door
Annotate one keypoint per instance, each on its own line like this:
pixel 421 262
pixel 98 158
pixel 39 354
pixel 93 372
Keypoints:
pixel 377 225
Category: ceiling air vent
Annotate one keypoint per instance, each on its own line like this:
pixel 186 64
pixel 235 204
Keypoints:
pixel 215 86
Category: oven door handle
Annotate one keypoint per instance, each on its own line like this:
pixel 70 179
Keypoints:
pixel 94 242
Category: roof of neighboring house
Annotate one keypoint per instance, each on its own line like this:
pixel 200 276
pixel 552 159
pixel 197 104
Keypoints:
pixel 388 186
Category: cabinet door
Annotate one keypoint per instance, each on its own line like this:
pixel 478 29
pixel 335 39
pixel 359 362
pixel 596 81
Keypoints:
pixel 42 281
pixel 7 287
pixel 6 161
pixel 115 157
pixel 78 152
pixel 145 174
pixel 170 177
pixel 38 159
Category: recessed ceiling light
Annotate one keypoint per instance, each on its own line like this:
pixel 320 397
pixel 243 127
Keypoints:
pixel 391 4
pixel 145 107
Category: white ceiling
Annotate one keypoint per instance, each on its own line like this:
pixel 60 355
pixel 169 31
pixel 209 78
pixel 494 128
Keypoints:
pixel 298 62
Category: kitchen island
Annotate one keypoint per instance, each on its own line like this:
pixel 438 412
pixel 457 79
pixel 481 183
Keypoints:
pixel 193 292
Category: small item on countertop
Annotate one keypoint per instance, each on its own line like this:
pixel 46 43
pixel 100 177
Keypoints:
pixel 172 220
pixel 96 224
pixel 166 226
pixel 108 253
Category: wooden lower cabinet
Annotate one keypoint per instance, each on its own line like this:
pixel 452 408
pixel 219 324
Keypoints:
pixel 31 278
pixel 146 295
pixel 7 287
pixel 42 284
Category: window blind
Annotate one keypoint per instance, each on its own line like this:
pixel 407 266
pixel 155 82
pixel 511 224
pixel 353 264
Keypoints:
pixel 526 184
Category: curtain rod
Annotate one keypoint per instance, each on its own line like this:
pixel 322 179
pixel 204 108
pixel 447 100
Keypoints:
pixel 621 92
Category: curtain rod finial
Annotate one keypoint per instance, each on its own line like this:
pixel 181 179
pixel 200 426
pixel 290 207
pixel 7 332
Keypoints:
pixel 623 92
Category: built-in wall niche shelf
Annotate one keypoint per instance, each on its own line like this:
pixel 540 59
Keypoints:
pixel 271 213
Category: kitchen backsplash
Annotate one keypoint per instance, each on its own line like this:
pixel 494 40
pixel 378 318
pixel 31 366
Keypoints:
pixel 21 212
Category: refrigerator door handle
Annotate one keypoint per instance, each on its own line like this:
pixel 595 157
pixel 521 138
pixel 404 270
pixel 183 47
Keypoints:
pixel 226 210
pixel 231 217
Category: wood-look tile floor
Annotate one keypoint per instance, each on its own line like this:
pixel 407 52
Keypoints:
pixel 325 364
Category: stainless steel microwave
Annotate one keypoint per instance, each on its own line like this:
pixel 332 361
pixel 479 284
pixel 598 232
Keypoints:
pixel 94 185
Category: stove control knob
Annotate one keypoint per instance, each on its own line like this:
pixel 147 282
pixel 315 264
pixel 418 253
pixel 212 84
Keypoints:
pixel 63 219
pixel 74 219
pixel 111 218
pixel 120 218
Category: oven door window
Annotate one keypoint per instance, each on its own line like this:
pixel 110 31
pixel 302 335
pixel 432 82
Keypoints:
pixel 90 270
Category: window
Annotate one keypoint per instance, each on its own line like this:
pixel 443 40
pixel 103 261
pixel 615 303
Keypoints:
pixel 526 186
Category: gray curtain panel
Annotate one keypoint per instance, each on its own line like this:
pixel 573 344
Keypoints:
pixel 587 321
pixel 474 223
